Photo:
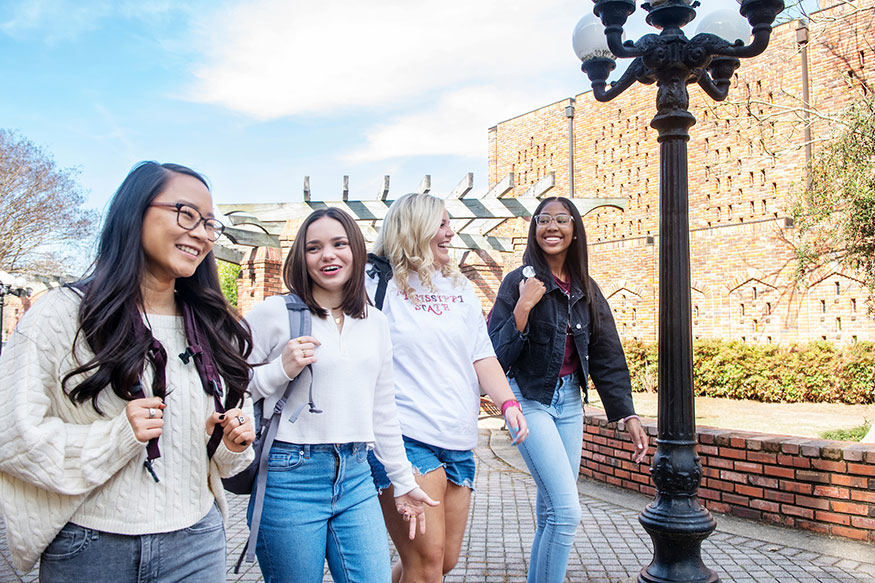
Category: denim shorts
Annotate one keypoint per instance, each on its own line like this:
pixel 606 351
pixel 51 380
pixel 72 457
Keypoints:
pixel 458 464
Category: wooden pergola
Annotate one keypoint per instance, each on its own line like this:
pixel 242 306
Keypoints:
pixel 473 219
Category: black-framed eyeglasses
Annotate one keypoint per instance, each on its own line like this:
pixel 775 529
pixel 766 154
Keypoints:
pixel 544 219
pixel 189 218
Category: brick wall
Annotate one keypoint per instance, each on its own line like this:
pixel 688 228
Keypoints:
pixel 260 277
pixel 822 486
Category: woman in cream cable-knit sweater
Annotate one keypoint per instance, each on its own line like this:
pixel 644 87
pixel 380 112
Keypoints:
pixel 73 487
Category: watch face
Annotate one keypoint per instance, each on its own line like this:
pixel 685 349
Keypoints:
pixel 528 271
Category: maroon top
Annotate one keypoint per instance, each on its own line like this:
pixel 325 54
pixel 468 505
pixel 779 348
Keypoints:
pixel 570 362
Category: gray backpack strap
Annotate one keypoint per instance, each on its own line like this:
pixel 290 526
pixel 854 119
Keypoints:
pixel 299 319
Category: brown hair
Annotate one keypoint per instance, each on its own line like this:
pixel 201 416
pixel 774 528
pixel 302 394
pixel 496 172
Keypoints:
pixel 297 278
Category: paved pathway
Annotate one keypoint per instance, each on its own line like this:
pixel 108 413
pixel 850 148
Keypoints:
pixel 611 545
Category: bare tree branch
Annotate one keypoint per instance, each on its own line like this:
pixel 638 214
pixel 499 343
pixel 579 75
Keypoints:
pixel 42 223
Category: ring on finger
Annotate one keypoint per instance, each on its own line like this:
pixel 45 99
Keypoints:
pixel 151 413
pixel 300 339
pixel 241 419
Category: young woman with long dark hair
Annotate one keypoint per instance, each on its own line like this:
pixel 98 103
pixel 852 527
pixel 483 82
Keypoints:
pixel 320 502
pixel 551 328
pixel 105 470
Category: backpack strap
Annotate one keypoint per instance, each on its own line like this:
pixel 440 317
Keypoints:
pixel 381 268
pixel 299 319
pixel 158 356
pixel 198 349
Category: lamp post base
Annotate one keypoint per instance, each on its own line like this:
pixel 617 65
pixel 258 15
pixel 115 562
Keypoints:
pixel 677 541
pixel 675 520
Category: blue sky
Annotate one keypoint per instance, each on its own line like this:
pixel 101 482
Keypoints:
pixel 257 94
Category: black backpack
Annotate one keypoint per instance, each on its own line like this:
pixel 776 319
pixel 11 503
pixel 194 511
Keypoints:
pixel 382 270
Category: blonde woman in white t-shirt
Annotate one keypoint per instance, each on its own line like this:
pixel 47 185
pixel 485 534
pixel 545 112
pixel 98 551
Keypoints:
pixel 320 502
pixel 442 356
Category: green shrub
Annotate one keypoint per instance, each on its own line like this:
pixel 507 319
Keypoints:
pixel 228 273
pixel 852 434
pixel 817 372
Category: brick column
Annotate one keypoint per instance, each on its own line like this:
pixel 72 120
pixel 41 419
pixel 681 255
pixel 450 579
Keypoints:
pixel 485 273
pixel 260 277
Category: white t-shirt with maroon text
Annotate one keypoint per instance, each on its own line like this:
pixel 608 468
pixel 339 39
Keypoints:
pixel 435 342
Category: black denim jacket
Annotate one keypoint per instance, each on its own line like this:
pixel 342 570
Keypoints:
pixel 534 357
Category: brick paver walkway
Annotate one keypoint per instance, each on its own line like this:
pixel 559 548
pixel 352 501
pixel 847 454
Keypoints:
pixel 611 546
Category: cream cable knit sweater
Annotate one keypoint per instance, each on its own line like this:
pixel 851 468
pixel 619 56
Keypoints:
pixel 64 463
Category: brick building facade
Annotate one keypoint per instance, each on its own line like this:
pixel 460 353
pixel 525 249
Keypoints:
pixel 747 156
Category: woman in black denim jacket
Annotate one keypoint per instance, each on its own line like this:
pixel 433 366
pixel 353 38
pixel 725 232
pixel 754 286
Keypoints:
pixel 551 327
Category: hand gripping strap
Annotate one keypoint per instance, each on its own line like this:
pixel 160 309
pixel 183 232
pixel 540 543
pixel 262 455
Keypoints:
pixel 299 318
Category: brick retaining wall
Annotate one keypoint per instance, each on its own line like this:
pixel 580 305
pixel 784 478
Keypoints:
pixel 819 485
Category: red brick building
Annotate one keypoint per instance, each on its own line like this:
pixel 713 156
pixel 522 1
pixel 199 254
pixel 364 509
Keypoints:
pixel 747 157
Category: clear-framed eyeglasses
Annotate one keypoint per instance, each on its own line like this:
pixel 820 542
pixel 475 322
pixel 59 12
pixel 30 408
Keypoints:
pixel 189 218
pixel 544 219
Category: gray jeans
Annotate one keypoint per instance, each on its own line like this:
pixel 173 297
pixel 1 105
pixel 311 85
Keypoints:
pixel 194 555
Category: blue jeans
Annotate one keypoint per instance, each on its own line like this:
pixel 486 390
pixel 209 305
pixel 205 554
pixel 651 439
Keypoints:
pixel 194 555
pixel 320 502
pixel 552 454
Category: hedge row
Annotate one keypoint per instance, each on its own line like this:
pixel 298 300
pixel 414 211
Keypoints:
pixel 818 372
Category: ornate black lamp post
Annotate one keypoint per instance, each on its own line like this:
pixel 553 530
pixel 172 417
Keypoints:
pixel 676 521
pixel 10 285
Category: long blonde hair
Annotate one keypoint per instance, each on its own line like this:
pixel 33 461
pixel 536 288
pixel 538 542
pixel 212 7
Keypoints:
pixel 405 240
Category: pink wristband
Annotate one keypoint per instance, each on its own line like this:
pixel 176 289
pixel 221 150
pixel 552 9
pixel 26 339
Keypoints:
pixel 510 403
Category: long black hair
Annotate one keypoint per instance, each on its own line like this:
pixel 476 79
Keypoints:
pixel 112 298
pixel 576 261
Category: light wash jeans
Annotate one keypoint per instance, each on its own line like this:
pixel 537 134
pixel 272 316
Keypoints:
pixel 192 555
pixel 320 502
pixel 552 454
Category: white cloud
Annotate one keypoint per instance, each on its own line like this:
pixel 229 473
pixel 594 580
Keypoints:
pixel 274 58
pixel 456 125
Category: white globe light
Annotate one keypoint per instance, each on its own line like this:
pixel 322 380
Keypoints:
pixel 5 278
pixel 589 39
pixel 728 24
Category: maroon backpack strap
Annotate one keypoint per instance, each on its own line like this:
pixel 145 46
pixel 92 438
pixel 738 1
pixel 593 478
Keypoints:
pixel 158 356
pixel 199 351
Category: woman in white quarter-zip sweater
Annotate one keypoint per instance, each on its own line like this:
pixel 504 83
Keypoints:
pixel 320 501
pixel 88 398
